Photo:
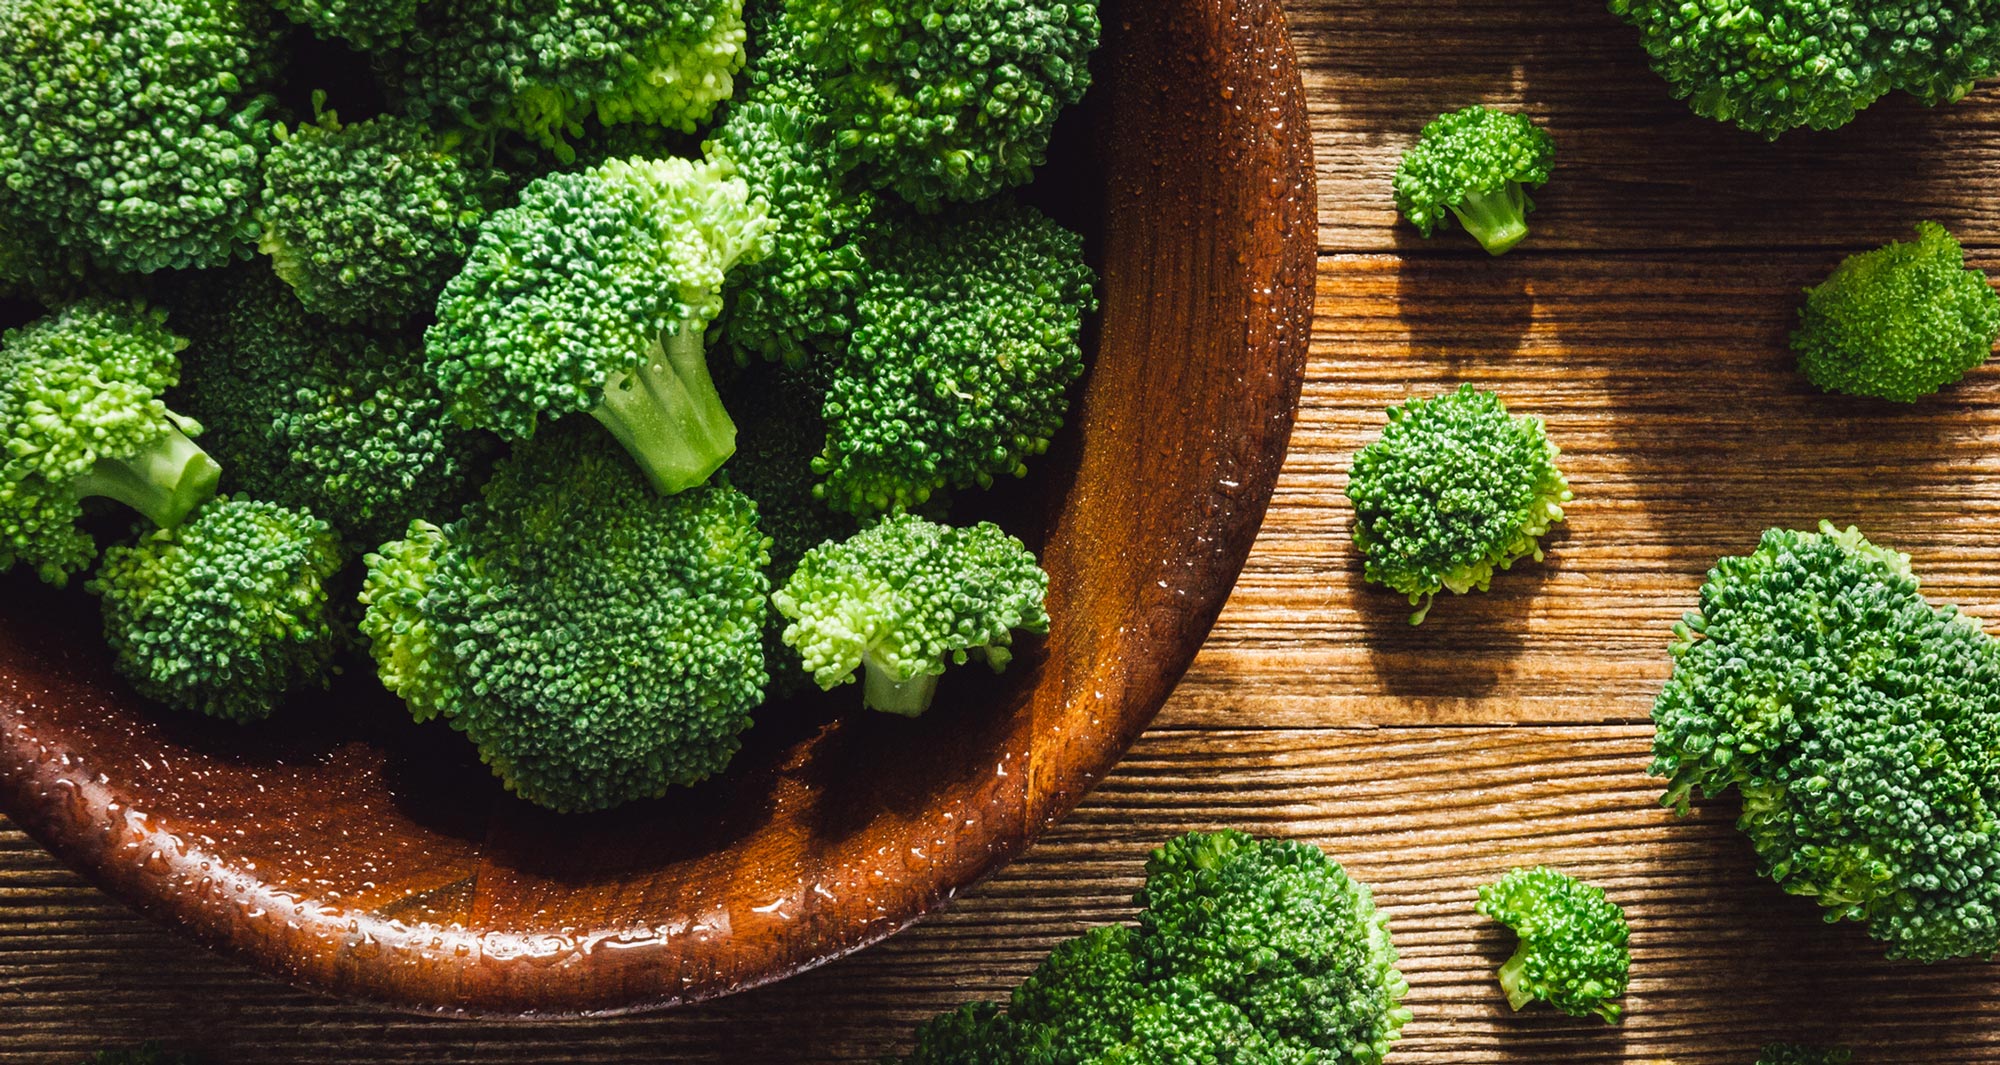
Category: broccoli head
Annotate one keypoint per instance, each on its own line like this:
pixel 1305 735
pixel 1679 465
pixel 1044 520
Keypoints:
pixel 1453 491
pixel 593 294
pixel 1898 322
pixel 598 642
pixel 1475 165
pixel 943 100
pixel 1794 1054
pixel 365 24
pixel 1858 722
pixel 1573 952
pixel 80 400
pixel 226 613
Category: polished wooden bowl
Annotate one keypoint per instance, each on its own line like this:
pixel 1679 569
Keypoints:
pixel 346 849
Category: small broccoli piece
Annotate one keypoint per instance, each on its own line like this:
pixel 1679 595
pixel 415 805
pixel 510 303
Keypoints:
pixel 968 338
pixel 143 1054
pixel 1475 165
pixel 80 403
pixel 1858 723
pixel 977 1033
pixel 365 24
pixel 592 294
pixel 225 614
pixel 1453 491
pixel 367 222
pixel 1794 1054
pixel 1573 952
pixel 1898 322
pixel 598 642
pixel 943 100
pixel 902 599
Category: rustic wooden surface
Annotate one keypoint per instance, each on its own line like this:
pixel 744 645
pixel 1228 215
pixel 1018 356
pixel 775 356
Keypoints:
pixel 1645 318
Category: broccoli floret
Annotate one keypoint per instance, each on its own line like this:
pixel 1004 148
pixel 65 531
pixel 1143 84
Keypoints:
pixel 1475 165
pixel 136 127
pixel 144 1054
pixel 80 400
pixel 598 642
pixel 906 597
pixel 1573 952
pixel 592 294
pixel 1898 322
pixel 365 24
pixel 1794 1054
pixel 1774 65
pixel 944 100
pixel 367 222
pixel 1858 723
pixel 1453 491
pixel 968 338
pixel 226 613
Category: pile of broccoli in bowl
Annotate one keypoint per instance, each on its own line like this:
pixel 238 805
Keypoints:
pixel 596 372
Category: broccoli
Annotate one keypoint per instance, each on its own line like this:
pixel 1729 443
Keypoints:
pixel 593 294
pixel 1858 722
pixel 367 222
pixel 1454 490
pixel 900 599
pixel 1573 952
pixel 1245 950
pixel 1898 322
pixel 137 126
pixel 226 613
pixel 80 402
pixel 144 1054
pixel 597 641
pixel 967 340
pixel 1774 65
pixel 365 24
pixel 1475 165
pixel 1794 1054
pixel 782 434
pixel 946 100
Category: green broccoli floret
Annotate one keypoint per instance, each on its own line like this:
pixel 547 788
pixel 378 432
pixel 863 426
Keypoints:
pixel 1898 322
pixel 906 597
pixel 144 1054
pixel 1774 65
pixel 1475 165
pixel 592 294
pixel 1794 1054
pixel 1453 491
pixel 136 127
pixel 597 641
pixel 1859 723
pixel 225 614
pixel 365 24
pixel 80 402
pixel 968 338
pixel 367 222
pixel 1573 952
pixel 944 100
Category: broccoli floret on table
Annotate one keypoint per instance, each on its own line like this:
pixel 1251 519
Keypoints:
pixel 1475 165
pixel 1573 953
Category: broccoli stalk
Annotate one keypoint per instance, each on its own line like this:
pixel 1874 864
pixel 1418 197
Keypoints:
pixel 164 480
pixel 1475 165
pixel 669 414
pixel 1496 218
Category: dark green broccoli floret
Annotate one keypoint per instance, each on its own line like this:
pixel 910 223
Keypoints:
pixel 1774 65
pixel 597 641
pixel 905 598
pixel 592 294
pixel 365 24
pixel 135 127
pixel 1573 952
pixel 967 341
pixel 1475 165
pixel 1455 490
pixel 80 405
pixel 144 1054
pixel 226 613
pixel 1859 724
pixel 1898 322
pixel 368 221
pixel 945 100
pixel 1794 1054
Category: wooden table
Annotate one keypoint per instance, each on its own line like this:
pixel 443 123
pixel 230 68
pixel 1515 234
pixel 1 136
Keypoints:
pixel 1645 317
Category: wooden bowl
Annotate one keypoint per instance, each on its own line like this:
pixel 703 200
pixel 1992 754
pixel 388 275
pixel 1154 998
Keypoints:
pixel 346 849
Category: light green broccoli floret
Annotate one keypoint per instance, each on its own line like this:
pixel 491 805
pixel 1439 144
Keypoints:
pixel 407 656
pixel 81 407
pixel 1858 722
pixel 904 599
pixel 1455 490
pixel 1475 165
pixel 1898 322
pixel 1573 953
pixel 365 24
pixel 225 614
pixel 1794 1054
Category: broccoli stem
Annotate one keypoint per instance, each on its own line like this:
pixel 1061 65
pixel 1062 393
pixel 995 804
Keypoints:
pixel 165 481
pixel 1510 978
pixel 1498 220
pixel 883 690
pixel 669 415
